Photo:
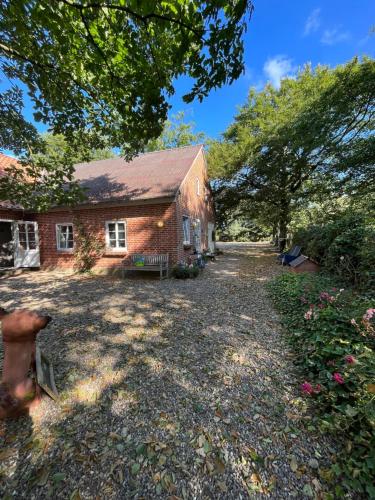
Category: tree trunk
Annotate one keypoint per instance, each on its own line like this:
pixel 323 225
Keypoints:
pixel 282 234
pixel 275 236
pixel 283 226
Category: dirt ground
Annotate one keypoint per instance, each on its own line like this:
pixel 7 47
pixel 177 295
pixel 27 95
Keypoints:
pixel 168 389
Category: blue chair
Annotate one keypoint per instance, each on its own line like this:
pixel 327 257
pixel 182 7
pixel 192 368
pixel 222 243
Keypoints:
pixel 287 257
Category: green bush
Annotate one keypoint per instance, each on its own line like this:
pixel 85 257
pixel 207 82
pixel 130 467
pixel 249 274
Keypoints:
pixel 184 271
pixel 344 247
pixel 332 331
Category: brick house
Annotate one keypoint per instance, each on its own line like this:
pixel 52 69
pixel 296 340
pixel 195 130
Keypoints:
pixel 160 202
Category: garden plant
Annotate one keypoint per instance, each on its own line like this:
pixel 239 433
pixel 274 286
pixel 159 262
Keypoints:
pixel 332 331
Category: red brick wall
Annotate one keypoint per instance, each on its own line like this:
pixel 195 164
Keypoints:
pixel 143 235
pixel 195 206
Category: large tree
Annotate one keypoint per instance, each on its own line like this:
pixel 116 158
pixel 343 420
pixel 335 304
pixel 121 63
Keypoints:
pixel 110 66
pixel 310 139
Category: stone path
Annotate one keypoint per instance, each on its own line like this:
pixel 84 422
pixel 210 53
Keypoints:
pixel 172 389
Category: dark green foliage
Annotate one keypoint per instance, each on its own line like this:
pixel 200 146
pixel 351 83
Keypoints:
pixel 311 139
pixel 16 133
pixel 111 66
pixel 184 271
pixel 344 246
pixel 332 332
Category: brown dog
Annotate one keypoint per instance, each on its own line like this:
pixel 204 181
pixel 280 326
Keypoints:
pixel 19 392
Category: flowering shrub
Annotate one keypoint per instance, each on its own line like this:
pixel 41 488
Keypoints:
pixel 183 271
pixel 344 246
pixel 333 333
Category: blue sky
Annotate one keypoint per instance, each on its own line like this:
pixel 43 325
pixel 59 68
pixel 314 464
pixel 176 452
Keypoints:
pixel 282 36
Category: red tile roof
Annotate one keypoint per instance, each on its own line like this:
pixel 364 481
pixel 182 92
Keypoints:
pixel 6 161
pixel 150 175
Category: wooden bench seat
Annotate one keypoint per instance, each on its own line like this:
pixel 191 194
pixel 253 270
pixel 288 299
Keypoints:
pixel 157 262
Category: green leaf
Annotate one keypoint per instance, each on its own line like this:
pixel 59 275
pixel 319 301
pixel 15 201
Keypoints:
pixel 58 477
pixel 135 468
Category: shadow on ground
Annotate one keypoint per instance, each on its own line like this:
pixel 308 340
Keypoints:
pixel 167 388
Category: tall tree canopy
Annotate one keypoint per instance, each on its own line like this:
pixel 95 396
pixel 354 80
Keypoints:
pixel 110 66
pixel 176 133
pixel 313 137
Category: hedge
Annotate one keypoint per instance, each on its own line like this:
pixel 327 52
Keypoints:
pixel 332 331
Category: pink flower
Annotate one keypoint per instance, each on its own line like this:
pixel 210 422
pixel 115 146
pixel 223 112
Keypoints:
pixel 337 377
pixel 334 289
pixel 326 296
pixel 353 322
pixel 369 314
pixel 308 314
pixel 321 306
pixel 303 300
pixel 307 388
pixel 350 359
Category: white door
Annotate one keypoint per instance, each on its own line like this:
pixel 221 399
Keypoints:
pixel 26 253
pixel 211 240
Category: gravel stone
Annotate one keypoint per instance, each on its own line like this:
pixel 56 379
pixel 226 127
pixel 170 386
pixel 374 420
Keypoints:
pixel 168 389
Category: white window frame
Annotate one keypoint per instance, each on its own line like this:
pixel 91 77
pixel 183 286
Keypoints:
pixel 58 226
pixel 116 248
pixel 186 218
pixel 198 186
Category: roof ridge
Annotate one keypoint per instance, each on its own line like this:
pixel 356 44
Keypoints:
pixel 120 157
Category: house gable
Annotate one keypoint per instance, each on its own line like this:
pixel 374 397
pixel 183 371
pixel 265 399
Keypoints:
pixel 194 200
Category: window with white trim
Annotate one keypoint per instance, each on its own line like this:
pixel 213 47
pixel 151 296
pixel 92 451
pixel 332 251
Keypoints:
pixel 115 235
pixel 186 229
pixel 64 236
pixel 198 187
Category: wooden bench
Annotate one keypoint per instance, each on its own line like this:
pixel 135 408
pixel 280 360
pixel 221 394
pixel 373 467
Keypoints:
pixel 151 263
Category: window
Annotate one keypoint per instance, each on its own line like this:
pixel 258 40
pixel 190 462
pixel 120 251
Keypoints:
pixel 26 235
pixel 186 229
pixel 198 187
pixel 115 235
pixel 64 236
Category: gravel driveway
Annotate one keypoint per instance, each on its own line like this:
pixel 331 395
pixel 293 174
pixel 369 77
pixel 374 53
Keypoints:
pixel 171 389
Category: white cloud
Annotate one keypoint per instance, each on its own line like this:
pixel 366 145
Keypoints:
pixel 312 22
pixel 278 68
pixel 331 37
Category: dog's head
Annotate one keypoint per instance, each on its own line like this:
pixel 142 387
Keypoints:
pixel 22 324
